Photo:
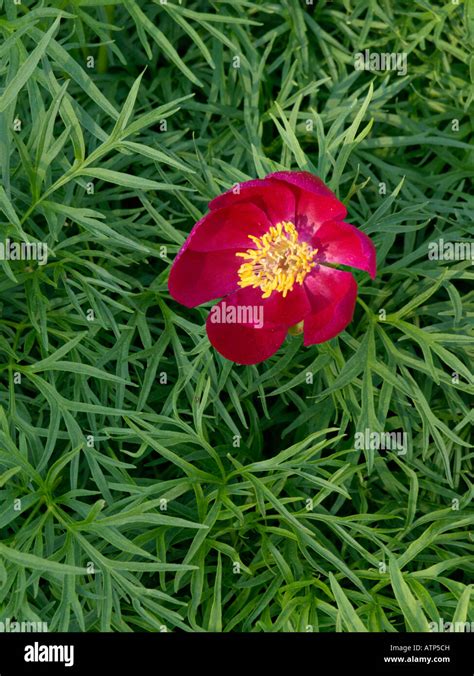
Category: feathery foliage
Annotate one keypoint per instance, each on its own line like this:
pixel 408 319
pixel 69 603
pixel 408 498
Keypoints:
pixel 148 483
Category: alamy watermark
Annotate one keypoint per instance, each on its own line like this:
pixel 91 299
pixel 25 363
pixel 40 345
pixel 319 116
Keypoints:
pixel 237 314
pixel 9 626
pixel 457 627
pixel 440 250
pixel 38 652
pixel 380 61
pixel 24 251
pixel 385 441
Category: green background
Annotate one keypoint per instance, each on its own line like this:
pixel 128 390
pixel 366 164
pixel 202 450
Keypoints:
pixel 145 482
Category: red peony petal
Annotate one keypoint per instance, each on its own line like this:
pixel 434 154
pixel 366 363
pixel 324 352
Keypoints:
pixel 228 228
pixel 274 198
pixel 332 294
pixel 197 277
pixel 284 311
pixel 246 328
pixel 343 243
pixel 304 181
pixel 315 203
pixel 245 345
pixel 238 339
pixel 206 266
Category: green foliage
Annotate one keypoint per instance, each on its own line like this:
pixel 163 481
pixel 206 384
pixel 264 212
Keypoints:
pixel 146 482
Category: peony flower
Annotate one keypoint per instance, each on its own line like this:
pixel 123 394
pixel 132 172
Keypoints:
pixel 268 248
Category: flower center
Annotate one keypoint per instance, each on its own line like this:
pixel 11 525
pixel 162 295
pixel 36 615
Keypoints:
pixel 279 262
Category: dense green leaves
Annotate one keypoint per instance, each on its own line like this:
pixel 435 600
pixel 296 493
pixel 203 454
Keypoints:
pixel 145 482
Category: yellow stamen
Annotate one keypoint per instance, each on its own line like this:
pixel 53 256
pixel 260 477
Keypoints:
pixel 279 262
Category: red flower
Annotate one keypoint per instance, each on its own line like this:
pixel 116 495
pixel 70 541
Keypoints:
pixel 266 247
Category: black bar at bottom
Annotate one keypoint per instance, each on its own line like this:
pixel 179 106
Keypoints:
pixel 395 653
